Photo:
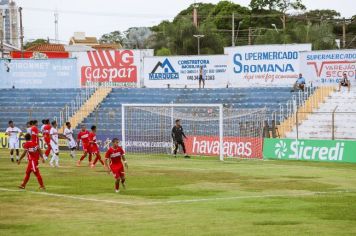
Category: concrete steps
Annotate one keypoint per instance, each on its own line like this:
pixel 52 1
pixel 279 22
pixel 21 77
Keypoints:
pixel 321 124
pixel 89 106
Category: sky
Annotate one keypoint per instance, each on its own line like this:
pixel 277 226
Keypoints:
pixel 96 17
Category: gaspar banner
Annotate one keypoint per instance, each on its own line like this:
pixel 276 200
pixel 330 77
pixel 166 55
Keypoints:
pixel 113 68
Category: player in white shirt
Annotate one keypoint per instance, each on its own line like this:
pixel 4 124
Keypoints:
pixel 54 144
pixel 14 134
pixel 72 144
pixel 42 126
pixel 28 127
pixel 54 135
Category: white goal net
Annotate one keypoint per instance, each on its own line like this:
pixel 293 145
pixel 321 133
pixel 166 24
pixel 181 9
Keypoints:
pixel 211 130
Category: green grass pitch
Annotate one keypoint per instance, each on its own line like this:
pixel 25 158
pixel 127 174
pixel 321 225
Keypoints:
pixel 167 196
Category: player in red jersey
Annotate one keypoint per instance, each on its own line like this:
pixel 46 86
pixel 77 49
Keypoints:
pixel 34 153
pixel 94 148
pixel 83 136
pixel 35 132
pixel 116 155
pixel 47 138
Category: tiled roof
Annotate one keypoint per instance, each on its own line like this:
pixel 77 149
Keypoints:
pixel 47 48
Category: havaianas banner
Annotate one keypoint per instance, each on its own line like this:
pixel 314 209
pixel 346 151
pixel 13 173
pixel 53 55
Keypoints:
pixel 310 150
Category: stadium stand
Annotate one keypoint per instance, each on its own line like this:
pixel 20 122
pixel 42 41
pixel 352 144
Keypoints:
pixel 21 105
pixel 108 115
pixel 319 124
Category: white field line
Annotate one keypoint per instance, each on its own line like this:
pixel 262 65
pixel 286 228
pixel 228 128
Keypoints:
pixel 133 203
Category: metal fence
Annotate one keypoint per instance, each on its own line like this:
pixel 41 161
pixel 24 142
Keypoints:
pixel 325 125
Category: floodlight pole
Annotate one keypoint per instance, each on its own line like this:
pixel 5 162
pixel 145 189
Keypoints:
pixel 199 36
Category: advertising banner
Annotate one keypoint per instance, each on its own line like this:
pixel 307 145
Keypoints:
pixel 4 142
pixel 327 67
pixel 38 73
pixel 243 147
pixel 39 55
pixel 121 68
pixel 310 150
pixel 264 65
pixel 181 71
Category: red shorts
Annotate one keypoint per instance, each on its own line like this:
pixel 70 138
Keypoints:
pixel 86 147
pixel 47 140
pixel 118 171
pixel 32 166
pixel 94 149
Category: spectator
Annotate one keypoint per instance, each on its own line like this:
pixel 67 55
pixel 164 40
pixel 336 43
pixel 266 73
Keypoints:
pixel 299 84
pixel 344 82
pixel 201 77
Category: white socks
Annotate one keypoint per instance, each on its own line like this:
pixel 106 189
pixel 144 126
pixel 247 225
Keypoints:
pixel 55 159
pixel 72 154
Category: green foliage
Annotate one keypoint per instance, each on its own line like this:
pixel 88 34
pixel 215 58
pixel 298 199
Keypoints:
pixel 319 27
pixel 163 52
pixel 321 36
pixel 322 14
pixel 34 42
pixel 279 5
pixel 115 37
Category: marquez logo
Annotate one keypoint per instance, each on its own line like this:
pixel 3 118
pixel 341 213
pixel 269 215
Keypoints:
pixel 163 71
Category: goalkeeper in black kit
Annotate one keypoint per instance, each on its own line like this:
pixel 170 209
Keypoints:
pixel 177 136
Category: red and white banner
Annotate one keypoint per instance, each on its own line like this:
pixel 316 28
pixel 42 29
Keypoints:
pixel 39 55
pixel 328 67
pixel 121 68
pixel 243 147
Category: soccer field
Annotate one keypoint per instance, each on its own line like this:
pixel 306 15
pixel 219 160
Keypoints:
pixel 167 196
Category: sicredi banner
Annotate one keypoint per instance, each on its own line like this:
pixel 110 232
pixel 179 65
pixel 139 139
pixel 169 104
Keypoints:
pixel 243 147
pixel 114 68
pixel 38 73
pixel 181 71
pixel 310 150
pixel 327 67
pixel 264 65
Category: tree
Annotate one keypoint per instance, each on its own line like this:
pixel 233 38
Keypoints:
pixel 321 36
pixel 282 6
pixel 115 37
pixel 163 52
pixel 322 15
pixel 136 37
pixel 34 42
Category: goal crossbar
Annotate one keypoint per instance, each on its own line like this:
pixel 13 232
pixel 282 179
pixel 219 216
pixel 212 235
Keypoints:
pixel 172 105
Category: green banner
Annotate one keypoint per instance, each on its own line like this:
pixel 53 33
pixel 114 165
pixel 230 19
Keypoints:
pixel 310 150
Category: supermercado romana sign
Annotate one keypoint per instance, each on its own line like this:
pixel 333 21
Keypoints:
pixel 310 150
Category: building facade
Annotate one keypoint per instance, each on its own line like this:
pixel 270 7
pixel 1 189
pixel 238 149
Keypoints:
pixel 9 22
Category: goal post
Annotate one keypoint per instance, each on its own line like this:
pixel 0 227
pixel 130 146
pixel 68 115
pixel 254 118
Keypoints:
pixel 212 129
pixel 171 107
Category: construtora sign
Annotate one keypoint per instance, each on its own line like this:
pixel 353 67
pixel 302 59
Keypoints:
pixel 243 147
pixel 181 71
